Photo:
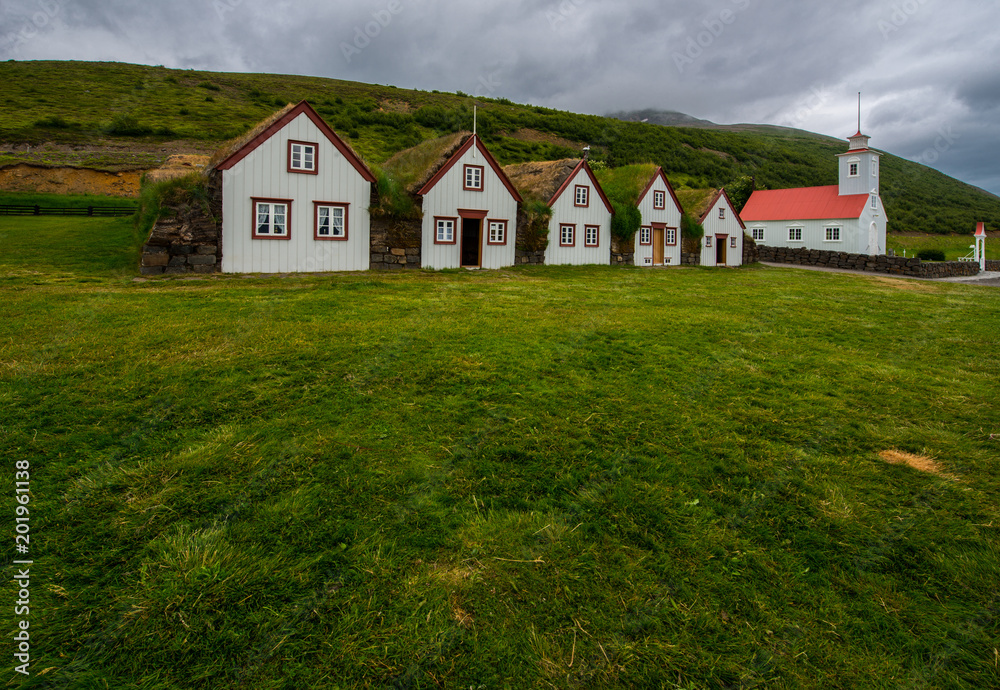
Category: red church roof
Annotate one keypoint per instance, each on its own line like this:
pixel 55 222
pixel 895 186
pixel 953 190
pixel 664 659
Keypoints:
pixel 807 203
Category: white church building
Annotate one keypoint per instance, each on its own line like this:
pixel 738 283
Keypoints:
pixel 847 217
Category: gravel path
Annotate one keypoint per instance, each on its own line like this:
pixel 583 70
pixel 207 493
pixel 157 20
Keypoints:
pixel 991 278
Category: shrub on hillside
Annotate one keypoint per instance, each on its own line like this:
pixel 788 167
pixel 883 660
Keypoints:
pixel 126 125
pixel 930 255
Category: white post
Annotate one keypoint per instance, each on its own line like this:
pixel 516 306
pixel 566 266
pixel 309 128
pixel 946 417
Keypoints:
pixel 980 247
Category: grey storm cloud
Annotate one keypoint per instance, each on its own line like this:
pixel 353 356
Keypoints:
pixel 924 66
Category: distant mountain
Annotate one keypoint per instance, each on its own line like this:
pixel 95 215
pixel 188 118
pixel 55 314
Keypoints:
pixel 673 118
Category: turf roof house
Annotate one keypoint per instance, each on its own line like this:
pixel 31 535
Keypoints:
pixel 468 205
pixel 846 217
pixel 658 241
pixel 722 244
pixel 295 198
pixel 580 226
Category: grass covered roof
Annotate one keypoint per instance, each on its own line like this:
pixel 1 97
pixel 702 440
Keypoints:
pixel 234 145
pixel 624 185
pixel 414 167
pixel 540 181
pixel 696 202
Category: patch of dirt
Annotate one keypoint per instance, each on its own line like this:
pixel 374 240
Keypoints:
pixel 903 284
pixel 30 178
pixel 921 463
pixel 178 166
pixel 390 106
pixel 463 618
pixel 449 575
pixel 721 154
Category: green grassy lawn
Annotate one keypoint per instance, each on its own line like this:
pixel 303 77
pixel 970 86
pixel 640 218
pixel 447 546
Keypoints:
pixel 537 477
pixel 953 246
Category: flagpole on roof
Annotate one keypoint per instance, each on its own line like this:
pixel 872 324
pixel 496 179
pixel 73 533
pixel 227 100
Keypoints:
pixel 859 111
pixel 475 123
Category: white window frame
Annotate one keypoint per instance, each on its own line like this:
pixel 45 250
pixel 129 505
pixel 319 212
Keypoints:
pixel 670 237
pixel 659 200
pixel 473 178
pixel 645 235
pixel 874 202
pixel 874 167
pixel 581 197
pixel 444 231
pixel 566 229
pixel 795 231
pixel 271 207
pixel 854 167
pixel 832 233
pixel 302 157
pixel 498 232
pixel 753 233
pixel 332 211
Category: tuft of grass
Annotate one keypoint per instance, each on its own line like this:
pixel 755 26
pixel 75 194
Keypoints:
pixel 155 198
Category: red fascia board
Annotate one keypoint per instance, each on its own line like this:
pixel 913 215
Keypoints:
pixel 593 180
pixel 807 203
pixel 277 125
pixel 473 140
pixel 670 188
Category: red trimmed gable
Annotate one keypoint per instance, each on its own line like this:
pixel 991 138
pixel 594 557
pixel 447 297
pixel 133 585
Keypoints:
pixel 457 156
pixel 572 176
pixel 670 188
pixel 806 203
pixel 302 108
pixel 721 194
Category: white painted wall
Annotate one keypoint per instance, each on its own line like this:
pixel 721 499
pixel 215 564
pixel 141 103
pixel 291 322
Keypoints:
pixel 853 232
pixel 448 195
pixel 264 173
pixel 564 211
pixel 729 227
pixel 670 216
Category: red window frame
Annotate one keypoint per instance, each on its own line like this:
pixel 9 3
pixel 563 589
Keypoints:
pixel 732 242
pixel 454 230
pixel 659 200
pixel 465 178
pixel 253 218
pixel 648 230
pixel 572 227
pixel 586 235
pixel 330 204
pixel 304 171
pixel 722 213
pixel 489 232
pixel 708 241
pixel 586 196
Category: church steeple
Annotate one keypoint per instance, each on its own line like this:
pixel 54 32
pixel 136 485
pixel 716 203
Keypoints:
pixel 859 169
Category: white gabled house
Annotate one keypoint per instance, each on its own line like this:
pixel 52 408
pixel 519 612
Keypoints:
pixel 722 244
pixel 658 242
pixel 580 226
pixel 846 217
pixel 295 198
pixel 469 209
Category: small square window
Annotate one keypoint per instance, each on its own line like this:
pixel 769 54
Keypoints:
pixel 645 235
pixel 302 157
pixel 591 235
pixel 271 219
pixel 833 234
pixel 671 236
pixel 659 200
pixel 708 240
pixel 758 234
pixel 853 170
pixel 732 243
pixel 473 178
pixel 567 235
pixel 498 232
pixel 794 234
pixel 444 231
pixel 582 195
pixel 331 221
pixel 722 213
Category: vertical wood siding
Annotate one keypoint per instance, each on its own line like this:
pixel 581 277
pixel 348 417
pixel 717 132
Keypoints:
pixel 670 216
pixel 264 174
pixel 730 227
pixel 564 211
pixel 448 196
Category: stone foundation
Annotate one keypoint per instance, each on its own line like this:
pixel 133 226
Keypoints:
pixel 993 264
pixel 690 258
pixel 751 253
pixel 187 238
pixel 395 244
pixel 892 265
pixel 525 257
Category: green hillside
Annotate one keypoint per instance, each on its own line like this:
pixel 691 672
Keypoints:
pixel 114 116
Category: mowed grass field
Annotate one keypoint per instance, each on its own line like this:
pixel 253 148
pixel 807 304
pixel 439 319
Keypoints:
pixel 537 477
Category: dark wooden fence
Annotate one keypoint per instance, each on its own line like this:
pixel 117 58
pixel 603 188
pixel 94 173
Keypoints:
pixel 86 211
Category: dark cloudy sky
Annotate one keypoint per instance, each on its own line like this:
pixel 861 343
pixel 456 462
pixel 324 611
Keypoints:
pixel 929 69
